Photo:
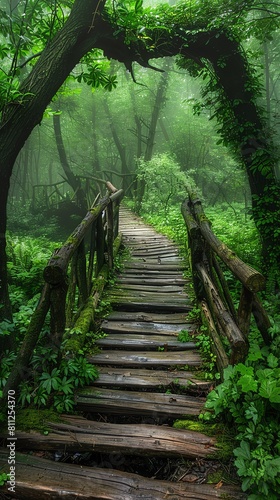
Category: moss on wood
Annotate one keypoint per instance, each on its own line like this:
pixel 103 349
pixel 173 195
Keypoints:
pixel 225 439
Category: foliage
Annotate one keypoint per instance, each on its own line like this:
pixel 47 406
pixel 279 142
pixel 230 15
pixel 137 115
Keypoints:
pixel 45 385
pixel 164 180
pixel 19 49
pixel 232 224
pixel 249 399
pixel 204 344
pixel 27 257
pixel 3 478
pixel 185 336
pixel 96 72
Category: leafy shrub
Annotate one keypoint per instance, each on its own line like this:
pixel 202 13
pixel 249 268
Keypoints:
pixel 235 228
pixel 165 183
pixel 249 399
pixel 49 385
pixel 27 258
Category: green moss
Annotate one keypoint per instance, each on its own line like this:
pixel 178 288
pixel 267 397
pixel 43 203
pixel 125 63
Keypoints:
pixel 215 477
pixel 31 419
pixel 225 441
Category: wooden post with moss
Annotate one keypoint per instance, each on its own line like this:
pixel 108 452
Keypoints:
pixel 210 284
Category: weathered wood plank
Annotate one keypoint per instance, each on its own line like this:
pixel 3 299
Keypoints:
pixel 152 274
pixel 174 318
pixel 84 435
pixel 135 280
pixel 41 479
pixel 145 328
pixel 143 287
pixel 153 247
pixel 157 405
pixel 157 252
pixel 154 267
pixel 140 342
pixel 133 377
pixel 129 304
pixel 179 295
pixel 146 358
pixel 154 296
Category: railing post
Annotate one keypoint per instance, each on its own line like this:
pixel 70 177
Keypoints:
pixel 100 244
pixel 110 234
pixel 58 312
pixel 244 310
pixel 81 272
pixel 195 245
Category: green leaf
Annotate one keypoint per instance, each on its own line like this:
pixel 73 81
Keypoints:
pixel 248 383
pixel 271 390
pixel 243 451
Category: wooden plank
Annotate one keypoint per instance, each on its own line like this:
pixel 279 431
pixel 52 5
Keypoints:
pixel 174 318
pixel 150 281
pixel 157 252
pixel 145 328
pixel 156 259
pixel 154 267
pixel 140 342
pixel 144 305
pixel 41 479
pixel 150 288
pixel 151 247
pixel 152 273
pixel 78 433
pixel 146 358
pixel 133 377
pixel 157 296
pixel 157 405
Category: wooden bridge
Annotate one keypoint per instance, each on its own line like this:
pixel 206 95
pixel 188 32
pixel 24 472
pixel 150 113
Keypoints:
pixel 148 379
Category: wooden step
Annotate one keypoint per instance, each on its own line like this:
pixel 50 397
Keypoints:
pixel 140 342
pixel 146 327
pixel 150 379
pixel 153 404
pixel 40 479
pixel 151 274
pixel 80 434
pixel 143 287
pixel 154 267
pixel 146 359
pixel 142 304
pixel 153 281
pixel 143 316
pixel 179 297
pixel 153 247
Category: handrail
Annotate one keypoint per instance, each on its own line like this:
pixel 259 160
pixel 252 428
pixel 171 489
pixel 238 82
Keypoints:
pixel 211 289
pixel 102 220
pixel 71 297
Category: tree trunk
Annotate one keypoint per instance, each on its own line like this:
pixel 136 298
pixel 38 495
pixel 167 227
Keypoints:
pixel 158 105
pixel 120 147
pixel 77 36
pixel 73 181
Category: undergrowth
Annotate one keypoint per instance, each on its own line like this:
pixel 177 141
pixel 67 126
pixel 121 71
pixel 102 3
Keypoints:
pixel 249 401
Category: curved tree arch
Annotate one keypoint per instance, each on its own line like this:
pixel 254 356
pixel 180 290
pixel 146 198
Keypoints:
pixel 89 26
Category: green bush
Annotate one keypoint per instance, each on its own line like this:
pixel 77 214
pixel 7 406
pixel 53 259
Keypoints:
pixel 249 399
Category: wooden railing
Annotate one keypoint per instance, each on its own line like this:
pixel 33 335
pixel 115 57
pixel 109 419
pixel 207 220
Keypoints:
pixel 89 248
pixel 212 292
pixel 74 280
